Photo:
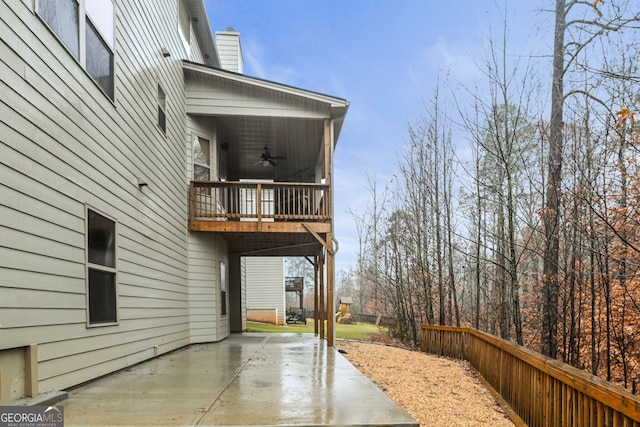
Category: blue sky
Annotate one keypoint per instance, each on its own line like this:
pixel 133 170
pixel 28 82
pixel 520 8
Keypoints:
pixel 384 57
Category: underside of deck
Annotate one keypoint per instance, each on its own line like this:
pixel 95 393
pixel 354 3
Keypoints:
pixel 268 239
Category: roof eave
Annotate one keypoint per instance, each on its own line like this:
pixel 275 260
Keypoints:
pixel 204 33
pixel 338 106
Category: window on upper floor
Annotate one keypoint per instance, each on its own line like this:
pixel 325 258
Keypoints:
pixel 102 296
pixel 86 28
pixel 201 159
pixel 162 110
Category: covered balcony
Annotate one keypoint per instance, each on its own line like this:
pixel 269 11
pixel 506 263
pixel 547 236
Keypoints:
pixel 262 159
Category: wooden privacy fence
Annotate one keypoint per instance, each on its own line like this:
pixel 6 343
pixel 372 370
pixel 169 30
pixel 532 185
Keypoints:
pixel 540 390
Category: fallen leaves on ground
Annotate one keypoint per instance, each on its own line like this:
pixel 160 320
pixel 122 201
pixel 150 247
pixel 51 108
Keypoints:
pixel 435 391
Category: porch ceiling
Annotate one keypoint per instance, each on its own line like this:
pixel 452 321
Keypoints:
pixel 299 141
pixel 252 113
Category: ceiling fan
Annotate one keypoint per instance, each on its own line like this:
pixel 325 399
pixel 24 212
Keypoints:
pixel 266 159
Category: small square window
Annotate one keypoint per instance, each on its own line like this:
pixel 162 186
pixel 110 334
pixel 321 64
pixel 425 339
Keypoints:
pixel 102 297
pixel 101 240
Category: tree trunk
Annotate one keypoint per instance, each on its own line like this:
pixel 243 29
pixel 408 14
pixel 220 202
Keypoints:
pixel 501 274
pixel 550 282
pixel 447 206
pixel 476 318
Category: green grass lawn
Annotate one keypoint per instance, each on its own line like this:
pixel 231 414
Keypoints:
pixel 359 331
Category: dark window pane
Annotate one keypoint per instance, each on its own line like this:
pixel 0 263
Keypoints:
pixel 102 297
pixel 162 105
pixel 101 13
pixel 62 18
pixel 162 120
pixel 223 303
pixel 99 60
pixel 200 173
pixel 101 240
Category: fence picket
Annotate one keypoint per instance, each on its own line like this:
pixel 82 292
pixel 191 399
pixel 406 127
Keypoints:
pixel 541 391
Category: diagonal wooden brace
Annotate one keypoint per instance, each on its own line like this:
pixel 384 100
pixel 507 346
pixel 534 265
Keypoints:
pixel 328 246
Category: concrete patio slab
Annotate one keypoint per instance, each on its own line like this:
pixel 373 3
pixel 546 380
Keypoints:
pixel 245 380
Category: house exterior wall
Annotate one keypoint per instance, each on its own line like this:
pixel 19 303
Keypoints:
pixel 264 281
pixel 64 147
pixel 206 322
pixel 205 252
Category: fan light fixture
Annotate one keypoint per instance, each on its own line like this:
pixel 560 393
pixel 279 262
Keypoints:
pixel 266 159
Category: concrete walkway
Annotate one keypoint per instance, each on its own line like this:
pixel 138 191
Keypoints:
pixel 248 380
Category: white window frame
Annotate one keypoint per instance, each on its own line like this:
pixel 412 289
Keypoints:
pixel 224 307
pixel 99 267
pixel 196 138
pixel 82 18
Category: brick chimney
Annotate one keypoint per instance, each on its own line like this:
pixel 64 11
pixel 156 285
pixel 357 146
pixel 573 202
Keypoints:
pixel 229 50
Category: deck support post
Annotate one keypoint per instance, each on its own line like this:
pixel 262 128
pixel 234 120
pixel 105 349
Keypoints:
pixel 316 311
pixel 331 321
pixel 321 294
pixel 330 250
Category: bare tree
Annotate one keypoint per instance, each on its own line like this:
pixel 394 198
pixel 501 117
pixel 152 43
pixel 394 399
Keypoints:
pixel 582 31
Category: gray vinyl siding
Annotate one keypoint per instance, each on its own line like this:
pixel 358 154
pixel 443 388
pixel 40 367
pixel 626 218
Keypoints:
pixel 196 53
pixel 64 146
pixel 204 252
pixel 243 293
pixel 229 50
pixel 265 284
pixel 243 285
pixel 203 97
pixel 204 288
pixel 224 325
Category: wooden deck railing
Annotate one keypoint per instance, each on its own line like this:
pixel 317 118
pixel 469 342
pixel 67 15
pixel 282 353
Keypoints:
pixel 541 391
pixel 259 201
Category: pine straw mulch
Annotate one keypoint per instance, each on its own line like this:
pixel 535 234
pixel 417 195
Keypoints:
pixel 435 391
